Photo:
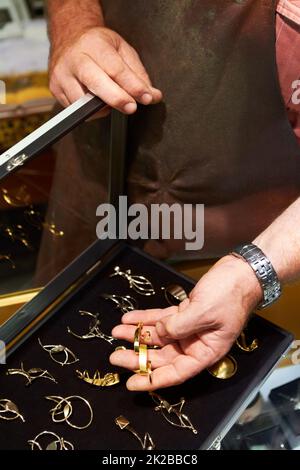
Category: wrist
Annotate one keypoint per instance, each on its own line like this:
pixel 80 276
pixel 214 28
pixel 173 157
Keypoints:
pixel 65 23
pixel 246 283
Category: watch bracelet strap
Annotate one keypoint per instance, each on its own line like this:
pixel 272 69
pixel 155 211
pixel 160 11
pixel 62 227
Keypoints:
pixel 263 270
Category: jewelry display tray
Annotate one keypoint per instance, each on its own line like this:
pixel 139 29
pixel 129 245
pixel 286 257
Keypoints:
pixel 212 404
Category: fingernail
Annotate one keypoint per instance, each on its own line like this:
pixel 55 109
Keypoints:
pixel 146 98
pixel 130 108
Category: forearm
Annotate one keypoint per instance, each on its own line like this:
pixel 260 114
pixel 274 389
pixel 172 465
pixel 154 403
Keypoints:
pixel 281 243
pixel 69 19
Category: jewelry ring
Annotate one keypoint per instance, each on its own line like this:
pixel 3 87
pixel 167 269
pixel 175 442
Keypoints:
pixel 137 338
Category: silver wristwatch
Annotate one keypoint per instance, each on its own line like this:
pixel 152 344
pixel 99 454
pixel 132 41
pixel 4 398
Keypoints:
pixel 263 270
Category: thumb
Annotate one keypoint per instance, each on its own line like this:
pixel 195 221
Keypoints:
pixel 186 322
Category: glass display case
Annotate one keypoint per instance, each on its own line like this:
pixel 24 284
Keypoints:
pixel 57 286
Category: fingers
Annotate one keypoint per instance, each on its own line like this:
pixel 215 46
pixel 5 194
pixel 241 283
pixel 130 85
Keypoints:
pixel 73 90
pixel 132 59
pixel 166 376
pixel 126 332
pixel 148 317
pixel 99 83
pixel 59 94
pixel 130 360
pixel 119 71
pixel 186 322
pixel 101 61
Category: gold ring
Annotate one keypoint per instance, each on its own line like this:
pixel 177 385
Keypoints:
pixel 143 359
pixel 137 338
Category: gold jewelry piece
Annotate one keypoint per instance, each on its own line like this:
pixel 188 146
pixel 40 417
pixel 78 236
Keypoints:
pixel 166 409
pixel 144 364
pixel 143 359
pixel 31 374
pixel 94 331
pixel 11 409
pixel 139 284
pixel 35 218
pixel 241 342
pixel 59 444
pixel 53 349
pixel 174 294
pixel 21 197
pixel 120 348
pixel 63 410
pixel 137 337
pixel 142 351
pixel 225 368
pixel 146 442
pixel 8 259
pixel 17 233
pixel 125 303
pixel 108 380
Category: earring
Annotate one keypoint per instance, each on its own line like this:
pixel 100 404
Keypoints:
pixel 35 218
pixel 174 294
pixel 94 331
pixel 241 343
pixel 7 258
pixel 53 349
pixel 166 409
pixel 17 233
pixel 146 442
pixel 7 407
pixel 107 381
pixel 139 284
pixel 63 410
pixel 225 368
pixel 125 303
pixel 59 444
pixel 20 198
pixel 32 374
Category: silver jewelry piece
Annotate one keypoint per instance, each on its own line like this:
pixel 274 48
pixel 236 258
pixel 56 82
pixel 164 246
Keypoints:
pixel 94 331
pixel 9 408
pixel 53 349
pixel 139 284
pixel 31 374
pixel 146 441
pixel 167 410
pixel 58 444
pixel 125 303
pixel 63 410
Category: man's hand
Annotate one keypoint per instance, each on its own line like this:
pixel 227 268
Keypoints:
pixel 196 334
pixel 102 62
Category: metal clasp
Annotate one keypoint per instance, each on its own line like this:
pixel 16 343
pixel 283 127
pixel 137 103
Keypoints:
pixel 17 161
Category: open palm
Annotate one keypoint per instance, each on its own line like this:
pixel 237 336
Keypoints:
pixel 197 333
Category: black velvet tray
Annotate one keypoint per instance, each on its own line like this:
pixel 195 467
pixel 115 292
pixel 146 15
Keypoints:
pixel 211 403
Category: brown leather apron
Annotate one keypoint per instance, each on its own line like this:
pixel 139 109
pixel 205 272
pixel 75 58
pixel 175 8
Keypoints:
pixel 221 136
